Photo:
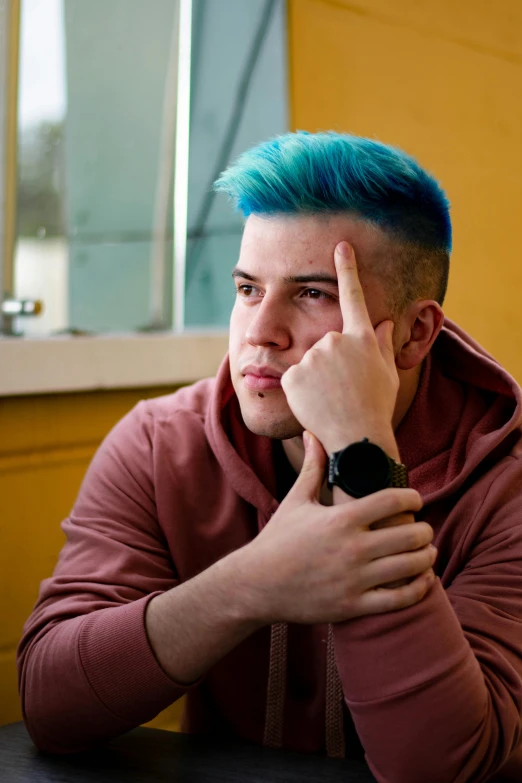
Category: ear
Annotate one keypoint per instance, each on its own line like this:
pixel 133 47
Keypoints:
pixel 420 325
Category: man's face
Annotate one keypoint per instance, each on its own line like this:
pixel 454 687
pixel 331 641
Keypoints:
pixel 287 299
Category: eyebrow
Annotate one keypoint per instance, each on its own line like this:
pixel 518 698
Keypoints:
pixel 317 277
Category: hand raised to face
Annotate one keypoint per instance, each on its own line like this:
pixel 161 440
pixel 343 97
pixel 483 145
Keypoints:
pixel 345 386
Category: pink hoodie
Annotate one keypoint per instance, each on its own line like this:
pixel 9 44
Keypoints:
pixel 434 691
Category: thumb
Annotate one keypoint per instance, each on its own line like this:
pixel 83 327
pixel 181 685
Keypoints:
pixel 311 478
pixel 384 334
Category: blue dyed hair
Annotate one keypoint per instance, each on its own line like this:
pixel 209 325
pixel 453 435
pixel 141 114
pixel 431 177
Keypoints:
pixel 332 172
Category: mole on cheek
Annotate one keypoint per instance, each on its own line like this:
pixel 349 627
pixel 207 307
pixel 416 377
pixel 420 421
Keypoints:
pixel 260 395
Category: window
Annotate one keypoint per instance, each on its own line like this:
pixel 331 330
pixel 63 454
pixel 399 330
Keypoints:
pixel 127 112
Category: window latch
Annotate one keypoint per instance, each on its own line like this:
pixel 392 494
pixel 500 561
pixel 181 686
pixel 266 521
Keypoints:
pixel 17 308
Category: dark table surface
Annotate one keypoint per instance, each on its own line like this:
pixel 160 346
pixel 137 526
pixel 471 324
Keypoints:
pixel 154 756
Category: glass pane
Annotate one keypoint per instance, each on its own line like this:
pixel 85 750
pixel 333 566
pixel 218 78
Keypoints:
pixel 97 113
pixel 118 57
pixel 95 189
pixel 238 98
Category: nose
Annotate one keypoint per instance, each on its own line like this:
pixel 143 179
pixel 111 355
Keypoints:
pixel 270 325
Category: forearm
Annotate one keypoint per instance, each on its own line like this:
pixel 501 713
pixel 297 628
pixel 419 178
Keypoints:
pixel 90 678
pixel 194 625
pixel 419 699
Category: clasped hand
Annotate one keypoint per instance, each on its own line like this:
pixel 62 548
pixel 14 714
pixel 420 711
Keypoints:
pixel 325 564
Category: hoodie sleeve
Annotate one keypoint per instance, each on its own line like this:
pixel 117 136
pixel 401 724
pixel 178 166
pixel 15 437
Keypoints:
pixel 86 668
pixel 435 690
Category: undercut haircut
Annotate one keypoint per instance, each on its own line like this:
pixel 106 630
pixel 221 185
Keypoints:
pixel 300 173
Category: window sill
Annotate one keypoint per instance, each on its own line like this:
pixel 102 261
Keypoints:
pixel 65 364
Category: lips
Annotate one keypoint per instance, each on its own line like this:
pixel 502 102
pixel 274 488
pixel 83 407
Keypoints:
pixel 262 378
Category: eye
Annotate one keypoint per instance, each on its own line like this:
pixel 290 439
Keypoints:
pixel 314 293
pixel 245 290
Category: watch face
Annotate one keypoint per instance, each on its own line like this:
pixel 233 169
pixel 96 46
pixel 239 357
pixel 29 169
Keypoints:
pixel 363 468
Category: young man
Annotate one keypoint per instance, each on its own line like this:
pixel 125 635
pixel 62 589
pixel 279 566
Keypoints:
pixel 282 581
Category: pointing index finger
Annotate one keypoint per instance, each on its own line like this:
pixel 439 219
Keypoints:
pixel 351 296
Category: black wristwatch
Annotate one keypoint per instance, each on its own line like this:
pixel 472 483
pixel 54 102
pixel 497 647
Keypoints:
pixel 363 468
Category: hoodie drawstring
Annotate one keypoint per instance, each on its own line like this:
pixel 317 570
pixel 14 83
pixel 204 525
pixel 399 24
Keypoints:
pixel 334 703
pixel 276 689
pixel 276 692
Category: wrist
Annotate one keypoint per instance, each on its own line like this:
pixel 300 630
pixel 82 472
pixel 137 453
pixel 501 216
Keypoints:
pixel 381 436
pixel 363 467
pixel 239 572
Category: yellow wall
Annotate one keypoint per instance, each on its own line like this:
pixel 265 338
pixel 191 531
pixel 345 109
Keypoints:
pixel 45 446
pixel 443 80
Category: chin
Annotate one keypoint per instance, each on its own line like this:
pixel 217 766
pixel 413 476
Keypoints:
pixel 270 424
pixel 268 415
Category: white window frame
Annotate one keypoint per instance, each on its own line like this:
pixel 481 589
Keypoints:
pixel 65 364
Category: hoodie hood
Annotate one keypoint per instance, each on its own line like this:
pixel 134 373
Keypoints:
pixel 467 409
pixel 467 412
pixel 246 458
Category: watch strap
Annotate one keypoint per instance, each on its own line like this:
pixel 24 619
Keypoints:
pixel 331 470
pixel 399 474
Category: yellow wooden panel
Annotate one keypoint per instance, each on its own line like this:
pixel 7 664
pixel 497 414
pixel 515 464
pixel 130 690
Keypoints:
pixel 46 445
pixel 55 421
pixel 443 81
pixel 495 28
pixel 10 710
pixel 33 502
pixel 169 719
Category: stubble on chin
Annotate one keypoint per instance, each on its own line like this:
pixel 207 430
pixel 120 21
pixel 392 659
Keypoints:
pixel 276 430
pixel 268 416
pixel 277 427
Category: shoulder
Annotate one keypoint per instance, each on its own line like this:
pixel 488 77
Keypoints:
pixel 194 399
pixel 172 418
pixel 504 481
pixel 189 404
pixel 492 507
